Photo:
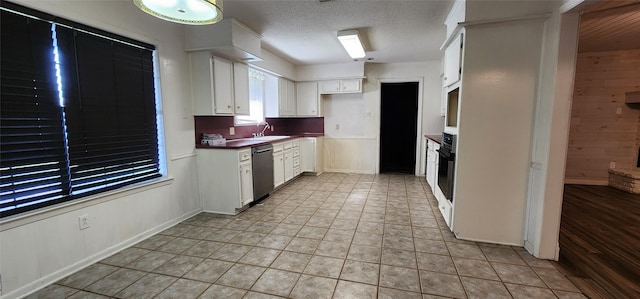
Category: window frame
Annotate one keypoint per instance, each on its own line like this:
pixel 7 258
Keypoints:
pixel 237 119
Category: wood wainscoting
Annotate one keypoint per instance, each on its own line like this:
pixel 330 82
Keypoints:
pixel 600 240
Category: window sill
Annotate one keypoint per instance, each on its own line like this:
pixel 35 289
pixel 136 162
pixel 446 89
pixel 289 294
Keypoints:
pixel 67 207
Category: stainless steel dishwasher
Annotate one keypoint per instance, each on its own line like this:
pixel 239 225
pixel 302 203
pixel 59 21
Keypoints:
pixel 262 164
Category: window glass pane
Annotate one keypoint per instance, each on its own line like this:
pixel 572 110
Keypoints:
pixel 256 99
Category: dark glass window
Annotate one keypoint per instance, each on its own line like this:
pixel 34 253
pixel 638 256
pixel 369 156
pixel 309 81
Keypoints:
pixel 77 111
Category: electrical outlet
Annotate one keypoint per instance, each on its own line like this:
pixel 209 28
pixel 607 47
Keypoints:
pixel 232 130
pixel 83 222
pixel 272 128
pixel 337 126
pixel 612 165
pixel 619 111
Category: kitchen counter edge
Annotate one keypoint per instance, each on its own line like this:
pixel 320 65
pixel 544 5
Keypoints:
pixel 246 142
pixel 435 138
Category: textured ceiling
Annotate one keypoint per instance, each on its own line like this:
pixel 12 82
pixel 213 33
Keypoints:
pixel 610 26
pixel 304 31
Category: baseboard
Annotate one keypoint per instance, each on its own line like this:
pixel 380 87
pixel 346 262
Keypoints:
pixel 55 276
pixel 350 171
pixel 586 182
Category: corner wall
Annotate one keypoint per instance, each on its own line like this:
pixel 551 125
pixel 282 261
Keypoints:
pixel 40 249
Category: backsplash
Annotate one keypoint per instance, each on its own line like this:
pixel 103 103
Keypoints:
pixel 282 126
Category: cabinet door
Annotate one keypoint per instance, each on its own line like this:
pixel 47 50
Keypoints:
pixel 431 166
pixel 246 183
pixel 282 97
pixel 278 169
pixel 452 56
pixel 291 98
pixel 286 97
pixel 308 154
pixel 288 165
pixel 329 87
pixel 223 86
pixel 241 88
pixel 351 86
pixel 307 99
pixel 201 65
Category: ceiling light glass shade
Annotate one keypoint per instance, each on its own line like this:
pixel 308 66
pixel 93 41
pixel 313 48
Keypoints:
pixel 191 12
pixel 350 40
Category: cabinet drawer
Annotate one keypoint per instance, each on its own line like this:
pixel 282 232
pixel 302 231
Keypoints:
pixel 296 171
pixel 288 145
pixel 296 162
pixel 296 143
pixel 296 152
pixel 245 155
pixel 278 147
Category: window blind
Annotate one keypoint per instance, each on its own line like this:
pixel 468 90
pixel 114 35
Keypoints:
pixel 78 111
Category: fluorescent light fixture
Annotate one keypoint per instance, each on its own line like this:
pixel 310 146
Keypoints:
pixel 350 40
pixel 191 12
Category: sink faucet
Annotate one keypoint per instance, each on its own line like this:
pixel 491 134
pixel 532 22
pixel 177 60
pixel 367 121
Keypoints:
pixel 261 134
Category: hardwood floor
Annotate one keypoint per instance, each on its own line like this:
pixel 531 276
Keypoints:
pixel 600 240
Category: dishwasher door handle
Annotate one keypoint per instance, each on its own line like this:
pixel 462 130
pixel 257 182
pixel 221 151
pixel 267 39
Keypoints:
pixel 262 151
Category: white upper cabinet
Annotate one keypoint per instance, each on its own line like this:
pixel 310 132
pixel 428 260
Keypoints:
pixel 241 88
pixel 218 86
pixel 307 97
pixel 286 97
pixel 341 86
pixel 223 86
pixel 452 58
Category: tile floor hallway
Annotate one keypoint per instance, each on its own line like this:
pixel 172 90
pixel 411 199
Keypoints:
pixel 331 236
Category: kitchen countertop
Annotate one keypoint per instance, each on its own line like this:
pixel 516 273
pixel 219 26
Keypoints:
pixel 436 138
pixel 249 142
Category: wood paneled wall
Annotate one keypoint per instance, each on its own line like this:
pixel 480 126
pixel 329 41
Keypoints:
pixel 599 134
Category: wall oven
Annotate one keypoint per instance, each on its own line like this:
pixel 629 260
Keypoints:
pixel 447 153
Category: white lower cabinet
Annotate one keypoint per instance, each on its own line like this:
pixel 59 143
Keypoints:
pixel 288 164
pixel 432 164
pixel 225 179
pixel 311 158
pixel 278 165
pixel 286 161
pixel 246 183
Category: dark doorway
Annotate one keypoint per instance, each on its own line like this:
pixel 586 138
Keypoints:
pixel 398 127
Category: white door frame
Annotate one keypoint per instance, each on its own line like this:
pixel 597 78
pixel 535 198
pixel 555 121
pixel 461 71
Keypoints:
pixel 419 133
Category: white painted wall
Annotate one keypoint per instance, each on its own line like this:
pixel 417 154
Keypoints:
pixel 330 71
pixel 551 133
pixel 37 250
pixel 354 146
pixel 275 65
pixel 496 110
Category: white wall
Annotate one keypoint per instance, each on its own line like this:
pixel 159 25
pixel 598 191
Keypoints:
pixel 497 101
pixel 39 249
pixel 330 71
pixel 275 65
pixel 354 146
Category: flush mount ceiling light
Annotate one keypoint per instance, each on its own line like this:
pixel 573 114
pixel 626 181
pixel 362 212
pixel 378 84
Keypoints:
pixel 191 12
pixel 350 40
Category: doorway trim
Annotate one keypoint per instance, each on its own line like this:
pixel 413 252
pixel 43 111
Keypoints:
pixel 419 115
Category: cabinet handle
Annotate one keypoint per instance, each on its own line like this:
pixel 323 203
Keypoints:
pixel 238 107
pixel 229 106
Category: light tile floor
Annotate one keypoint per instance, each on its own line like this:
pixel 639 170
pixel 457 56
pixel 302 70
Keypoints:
pixel 331 236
